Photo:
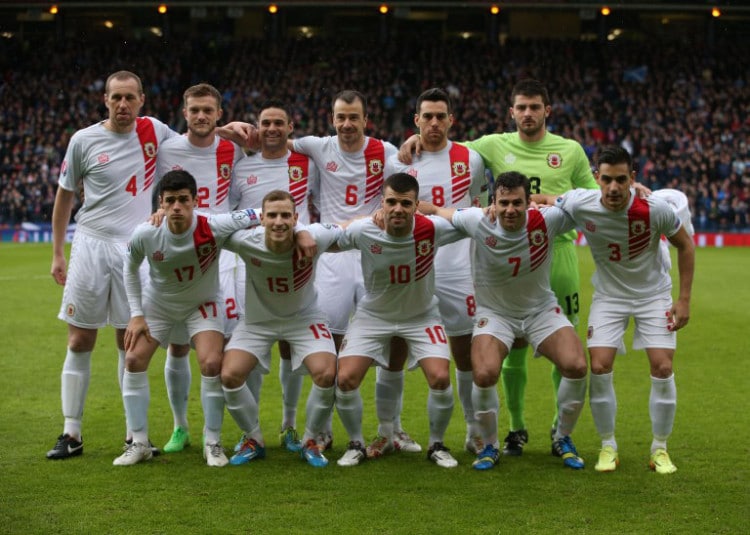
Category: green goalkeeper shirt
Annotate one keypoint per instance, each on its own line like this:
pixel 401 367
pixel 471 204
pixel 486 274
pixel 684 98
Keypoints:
pixel 554 164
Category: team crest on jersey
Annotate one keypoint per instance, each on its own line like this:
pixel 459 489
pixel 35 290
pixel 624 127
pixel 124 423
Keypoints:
pixel 424 247
pixel 482 322
pixel 637 227
pixel 375 166
pixel 225 171
pixel 206 250
pixel 332 167
pixel 590 226
pixel 537 237
pixel 295 172
pixel 459 168
pixel 376 249
pixel 103 158
pixel 490 241
pixel 252 179
pixel 255 261
pixel 70 309
pixel 149 149
pixel 158 256
pixel 554 160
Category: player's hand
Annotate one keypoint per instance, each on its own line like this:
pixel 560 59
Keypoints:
pixel 137 326
pixel 157 217
pixel 378 218
pixel 678 316
pixel 426 208
pixel 306 244
pixel 489 212
pixel 641 190
pixel 59 270
pixel 244 134
pixel 413 144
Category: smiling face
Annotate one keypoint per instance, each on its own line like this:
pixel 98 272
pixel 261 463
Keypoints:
pixel 530 115
pixel 349 120
pixel 124 101
pixel 278 218
pixel 398 211
pixel 434 122
pixel 201 115
pixel 510 208
pixel 274 128
pixel 615 181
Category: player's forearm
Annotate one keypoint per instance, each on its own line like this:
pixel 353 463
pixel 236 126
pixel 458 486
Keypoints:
pixel 686 269
pixel 60 219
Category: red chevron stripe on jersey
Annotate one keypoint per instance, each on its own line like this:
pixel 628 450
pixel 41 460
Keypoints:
pixel 147 138
pixel 224 168
pixel 205 244
pixel 303 270
pixel 536 231
pixel 299 173
pixel 374 165
pixel 460 171
pixel 639 227
pixel 424 245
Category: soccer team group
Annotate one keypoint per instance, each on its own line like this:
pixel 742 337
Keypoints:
pixel 401 269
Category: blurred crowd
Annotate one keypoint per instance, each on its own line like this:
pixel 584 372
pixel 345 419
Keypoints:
pixel 682 110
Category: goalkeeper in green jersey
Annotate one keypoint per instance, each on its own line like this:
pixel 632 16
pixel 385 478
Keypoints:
pixel 554 166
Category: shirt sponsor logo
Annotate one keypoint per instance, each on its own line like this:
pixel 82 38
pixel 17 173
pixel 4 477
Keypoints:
pixel 490 241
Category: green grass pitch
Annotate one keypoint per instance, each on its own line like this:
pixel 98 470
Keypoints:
pixel 402 493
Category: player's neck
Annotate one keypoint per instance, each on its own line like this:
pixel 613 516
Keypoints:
pixel 279 247
pixel 201 141
pixel 434 147
pixel 110 125
pixel 274 154
pixel 354 146
pixel 538 136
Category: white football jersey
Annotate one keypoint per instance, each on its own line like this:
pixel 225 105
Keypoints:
pixel 279 286
pixel 511 269
pixel 256 176
pixel 351 183
pixel 625 244
pixel 452 177
pixel 117 172
pixel 183 268
pixel 211 166
pixel 398 271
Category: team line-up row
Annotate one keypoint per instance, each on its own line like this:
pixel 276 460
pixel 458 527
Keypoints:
pixel 346 293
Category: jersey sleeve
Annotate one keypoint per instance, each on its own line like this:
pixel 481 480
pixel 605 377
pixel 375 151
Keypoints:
pixel 582 176
pixel 467 220
pixel 72 170
pixel 478 179
pixel 307 145
pixel 484 146
pixel 666 220
pixel 132 263
pixel 558 221
pixel 349 239
pixel 325 234
pixel 225 224
pixel 445 231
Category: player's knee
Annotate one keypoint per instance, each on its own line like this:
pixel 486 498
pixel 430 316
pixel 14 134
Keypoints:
pixel 135 363
pixel 600 368
pixel 661 370
pixel 231 379
pixel 325 377
pixel 347 381
pixel 484 377
pixel 574 369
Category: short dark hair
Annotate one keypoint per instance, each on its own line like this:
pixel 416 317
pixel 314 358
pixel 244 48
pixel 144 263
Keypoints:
pixel 435 94
pixel 202 90
pixel 277 195
pixel 123 75
pixel 349 96
pixel 275 103
pixel 512 180
pixel 530 88
pixel 402 183
pixel 176 180
pixel 613 155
